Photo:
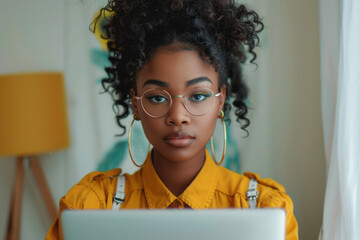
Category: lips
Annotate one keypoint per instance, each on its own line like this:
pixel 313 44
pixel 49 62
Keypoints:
pixel 179 139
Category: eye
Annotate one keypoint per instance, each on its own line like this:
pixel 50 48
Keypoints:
pixel 199 96
pixel 157 98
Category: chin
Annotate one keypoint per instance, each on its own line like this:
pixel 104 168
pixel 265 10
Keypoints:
pixel 175 154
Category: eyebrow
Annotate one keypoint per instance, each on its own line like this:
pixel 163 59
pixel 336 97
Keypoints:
pixel 156 82
pixel 198 80
pixel 188 83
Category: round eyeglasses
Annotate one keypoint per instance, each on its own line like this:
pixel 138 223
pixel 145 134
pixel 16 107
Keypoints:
pixel 157 102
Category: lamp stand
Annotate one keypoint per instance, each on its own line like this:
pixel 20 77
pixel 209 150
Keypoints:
pixel 13 229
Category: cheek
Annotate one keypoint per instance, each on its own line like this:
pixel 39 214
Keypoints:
pixel 151 126
pixel 206 126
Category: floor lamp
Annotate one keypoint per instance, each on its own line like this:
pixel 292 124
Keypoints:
pixel 33 121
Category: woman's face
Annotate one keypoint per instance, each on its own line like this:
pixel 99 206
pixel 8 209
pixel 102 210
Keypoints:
pixel 178 135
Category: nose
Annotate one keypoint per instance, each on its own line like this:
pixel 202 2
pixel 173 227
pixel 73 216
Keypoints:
pixel 177 115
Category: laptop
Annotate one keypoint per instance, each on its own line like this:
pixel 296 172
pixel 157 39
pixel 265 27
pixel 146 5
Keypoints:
pixel 174 224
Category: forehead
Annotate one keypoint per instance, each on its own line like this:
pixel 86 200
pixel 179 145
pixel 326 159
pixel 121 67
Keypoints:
pixel 176 69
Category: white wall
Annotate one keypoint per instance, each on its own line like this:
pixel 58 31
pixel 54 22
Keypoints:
pixel 285 140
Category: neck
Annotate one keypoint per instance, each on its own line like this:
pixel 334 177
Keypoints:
pixel 177 175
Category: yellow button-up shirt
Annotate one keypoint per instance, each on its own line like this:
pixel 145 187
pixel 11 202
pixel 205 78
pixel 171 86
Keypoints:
pixel 213 187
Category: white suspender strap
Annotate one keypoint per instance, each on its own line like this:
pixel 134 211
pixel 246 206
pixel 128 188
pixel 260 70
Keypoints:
pixel 252 193
pixel 119 195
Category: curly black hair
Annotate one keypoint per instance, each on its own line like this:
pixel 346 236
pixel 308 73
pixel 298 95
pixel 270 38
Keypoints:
pixel 223 33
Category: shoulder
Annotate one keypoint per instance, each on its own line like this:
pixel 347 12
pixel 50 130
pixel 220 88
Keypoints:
pixel 271 193
pixel 96 177
pixel 91 191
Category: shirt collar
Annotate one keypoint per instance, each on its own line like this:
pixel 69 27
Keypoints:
pixel 198 194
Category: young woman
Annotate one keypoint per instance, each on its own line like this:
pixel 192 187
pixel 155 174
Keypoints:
pixel 175 65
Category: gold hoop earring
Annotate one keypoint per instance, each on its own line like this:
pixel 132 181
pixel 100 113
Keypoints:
pixel 131 156
pixel 212 144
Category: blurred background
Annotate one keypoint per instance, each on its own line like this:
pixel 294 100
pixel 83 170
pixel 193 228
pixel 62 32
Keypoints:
pixel 286 136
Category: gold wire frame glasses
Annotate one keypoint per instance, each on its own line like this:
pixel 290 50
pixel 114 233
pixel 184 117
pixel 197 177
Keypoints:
pixel 157 102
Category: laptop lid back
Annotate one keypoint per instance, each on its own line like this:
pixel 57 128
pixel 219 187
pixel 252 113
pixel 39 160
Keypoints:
pixel 230 224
